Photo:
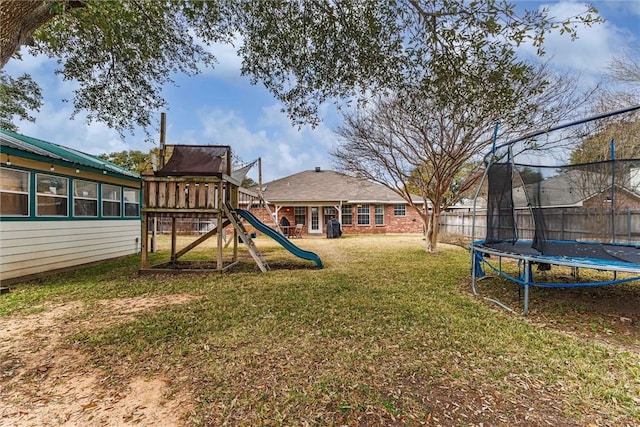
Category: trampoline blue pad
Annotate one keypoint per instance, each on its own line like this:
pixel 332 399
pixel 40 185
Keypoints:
pixel 605 252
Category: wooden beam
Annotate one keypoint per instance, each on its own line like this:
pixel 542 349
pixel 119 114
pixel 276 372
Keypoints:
pixel 173 239
pixel 144 260
pixel 200 240
pixel 220 228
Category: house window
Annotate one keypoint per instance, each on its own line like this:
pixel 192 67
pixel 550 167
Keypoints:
pixel 52 195
pixel 110 200
pixel 85 198
pixel 131 202
pixel 300 215
pixel 347 215
pixel 329 214
pixel 379 215
pixel 14 192
pixel 363 215
pixel 400 210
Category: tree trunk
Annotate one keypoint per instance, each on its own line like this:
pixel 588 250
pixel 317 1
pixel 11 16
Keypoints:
pixel 428 246
pixel 431 221
pixel 435 228
pixel 20 18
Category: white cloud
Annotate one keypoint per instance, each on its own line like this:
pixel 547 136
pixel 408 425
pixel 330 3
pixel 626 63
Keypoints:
pixel 283 149
pixel 590 54
pixel 229 63
pixel 54 125
pixel 28 64
pixel 621 9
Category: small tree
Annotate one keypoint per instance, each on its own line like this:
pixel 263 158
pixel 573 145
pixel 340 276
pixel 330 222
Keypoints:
pixel 134 160
pixel 425 146
pixel 622 129
pixel 597 147
pixel 626 69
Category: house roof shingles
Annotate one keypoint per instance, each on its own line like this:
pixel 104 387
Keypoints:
pixel 322 186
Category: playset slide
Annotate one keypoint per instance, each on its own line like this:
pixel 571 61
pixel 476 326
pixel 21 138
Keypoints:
pixel 282 240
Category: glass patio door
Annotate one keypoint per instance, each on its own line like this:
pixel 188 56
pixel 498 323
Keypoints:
pixel 315 223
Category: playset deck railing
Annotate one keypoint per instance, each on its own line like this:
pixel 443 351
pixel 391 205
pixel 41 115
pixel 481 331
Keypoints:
pixel 189 195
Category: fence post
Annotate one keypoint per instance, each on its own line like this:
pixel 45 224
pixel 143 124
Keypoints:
pixel 462 224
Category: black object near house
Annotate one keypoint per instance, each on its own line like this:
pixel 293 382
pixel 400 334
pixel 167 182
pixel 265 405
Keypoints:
pixel 334 230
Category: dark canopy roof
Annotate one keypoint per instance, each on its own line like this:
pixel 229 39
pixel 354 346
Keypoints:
pixel 196 160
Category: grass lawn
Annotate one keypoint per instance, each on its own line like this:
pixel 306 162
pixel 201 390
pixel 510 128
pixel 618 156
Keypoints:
pixel 385 334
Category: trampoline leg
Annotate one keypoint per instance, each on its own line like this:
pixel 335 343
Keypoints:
pixel 473 272
pixel 527 280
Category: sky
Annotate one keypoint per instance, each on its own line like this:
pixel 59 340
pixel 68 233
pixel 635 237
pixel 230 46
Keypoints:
pixel 221 107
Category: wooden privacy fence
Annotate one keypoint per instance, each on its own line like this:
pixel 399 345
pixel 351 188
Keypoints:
pixel 561 224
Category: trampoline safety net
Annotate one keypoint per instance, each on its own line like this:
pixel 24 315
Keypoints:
pixel 596 202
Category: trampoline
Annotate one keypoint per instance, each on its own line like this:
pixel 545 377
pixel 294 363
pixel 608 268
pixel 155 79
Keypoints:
pixel 543 210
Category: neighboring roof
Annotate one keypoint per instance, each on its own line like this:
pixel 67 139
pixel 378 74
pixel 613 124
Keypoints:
pixel 43 150
pixel 571 188
pixel 318 186
pixel 196 160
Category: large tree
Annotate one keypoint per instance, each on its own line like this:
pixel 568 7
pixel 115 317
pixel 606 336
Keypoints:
pixel 305 52
pixel 18 97
pixel 432 148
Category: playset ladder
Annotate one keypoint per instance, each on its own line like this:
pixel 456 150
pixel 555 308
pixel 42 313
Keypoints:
pixel 242 232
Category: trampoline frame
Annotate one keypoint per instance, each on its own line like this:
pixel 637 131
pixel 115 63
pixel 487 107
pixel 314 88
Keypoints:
pixel 478 252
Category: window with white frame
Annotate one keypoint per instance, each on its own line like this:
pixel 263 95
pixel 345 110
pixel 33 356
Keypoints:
pixel 131 202
pixel 85 198
pixel 52 195
pixel 300 215
pixel 329 213
pixel 379 215
pixel 14 192
pixel 363 215
pixel 347 215
pixel 400 210
pixel 110 200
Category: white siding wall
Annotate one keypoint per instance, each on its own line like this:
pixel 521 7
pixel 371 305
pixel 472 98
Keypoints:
pixel 30 247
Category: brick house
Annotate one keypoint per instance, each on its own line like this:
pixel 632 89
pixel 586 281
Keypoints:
pixel 313 197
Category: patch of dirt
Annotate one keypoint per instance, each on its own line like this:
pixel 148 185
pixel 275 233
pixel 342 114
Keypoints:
pixel 45 382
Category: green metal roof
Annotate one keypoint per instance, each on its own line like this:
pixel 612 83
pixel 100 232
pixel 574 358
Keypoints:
pixel 10 142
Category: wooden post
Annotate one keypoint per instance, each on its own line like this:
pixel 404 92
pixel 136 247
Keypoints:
pixel 145 243
pixel 219 260
pixel 229 166
pixel 163 137
pixel 234 236
pixel 154 235
pixel 235 203
pixel 173 239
